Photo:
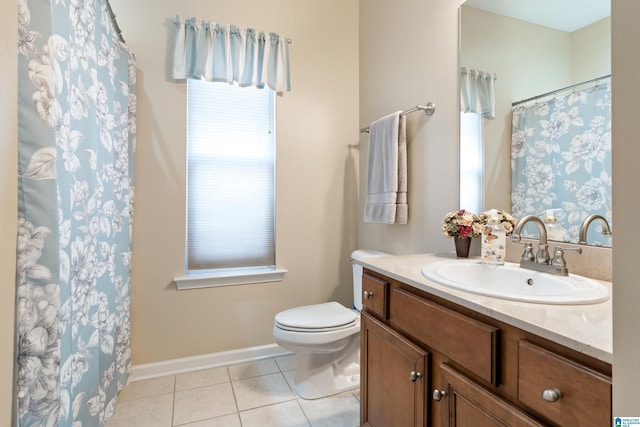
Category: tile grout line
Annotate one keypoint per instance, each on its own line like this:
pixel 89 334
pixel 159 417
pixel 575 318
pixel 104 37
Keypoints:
pixel 173 405
pixel 235 398
pixel 234 385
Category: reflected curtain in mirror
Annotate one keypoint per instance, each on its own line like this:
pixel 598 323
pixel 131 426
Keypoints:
pixel 478 92
pixel 561 159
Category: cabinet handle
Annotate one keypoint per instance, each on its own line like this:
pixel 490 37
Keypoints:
pixel 413 376
pixel 438 395
pixel 367 294
pixel 552 395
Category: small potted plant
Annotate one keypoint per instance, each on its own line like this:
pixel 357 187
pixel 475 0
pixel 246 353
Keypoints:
pixel 462 225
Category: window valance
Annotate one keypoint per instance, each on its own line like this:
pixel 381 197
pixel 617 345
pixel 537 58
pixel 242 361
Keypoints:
pixel 478 92
pixel 227 53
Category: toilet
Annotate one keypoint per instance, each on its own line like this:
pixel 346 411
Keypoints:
pixel 326 340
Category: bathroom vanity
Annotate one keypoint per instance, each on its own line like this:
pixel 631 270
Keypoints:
pixel 436 356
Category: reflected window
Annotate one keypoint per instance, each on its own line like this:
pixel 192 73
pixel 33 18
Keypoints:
pixel 471 161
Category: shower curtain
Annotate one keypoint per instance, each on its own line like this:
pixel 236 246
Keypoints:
pixel 76 129
pixel 561 159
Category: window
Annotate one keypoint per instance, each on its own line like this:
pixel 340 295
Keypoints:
pixel 471 162
pixel 230 183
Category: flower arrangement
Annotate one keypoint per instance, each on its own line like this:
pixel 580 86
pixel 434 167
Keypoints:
pixel 507 221
pixel 462 224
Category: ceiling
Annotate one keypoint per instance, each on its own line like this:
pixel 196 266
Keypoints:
pixel 565 15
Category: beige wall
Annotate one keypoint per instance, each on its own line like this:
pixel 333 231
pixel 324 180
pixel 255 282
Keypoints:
pixel 626 205
pixel 591 51
pixel 314 248
pixel 408 56
pixel 316 177
pixel 8 196
pixel 528 60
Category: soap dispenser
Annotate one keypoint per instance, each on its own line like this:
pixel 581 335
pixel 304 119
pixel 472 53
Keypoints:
pixel 554 228
pixel 494 240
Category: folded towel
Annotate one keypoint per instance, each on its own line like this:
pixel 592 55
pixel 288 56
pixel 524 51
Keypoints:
pixel 386 200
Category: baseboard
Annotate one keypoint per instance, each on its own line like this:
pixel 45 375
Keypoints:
pixel 206 361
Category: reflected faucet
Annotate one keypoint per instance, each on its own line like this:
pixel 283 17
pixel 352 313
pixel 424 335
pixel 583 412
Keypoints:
pixel 540 262
pixel 606 229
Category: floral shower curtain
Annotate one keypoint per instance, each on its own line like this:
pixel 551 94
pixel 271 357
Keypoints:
pixel 561 159
pixel 76 129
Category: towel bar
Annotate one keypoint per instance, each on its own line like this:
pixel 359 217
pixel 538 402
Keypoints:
pixel 428 109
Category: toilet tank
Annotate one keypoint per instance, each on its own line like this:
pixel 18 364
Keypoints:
pixel 356 256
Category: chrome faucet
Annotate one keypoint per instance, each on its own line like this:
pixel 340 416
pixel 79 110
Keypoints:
pixel 540 262
pixel 606 229
pixel 542 256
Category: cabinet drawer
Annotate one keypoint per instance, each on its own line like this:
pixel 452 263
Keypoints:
pixel 375 296
pixel 468 342
pixel 470 404
pixel 585 395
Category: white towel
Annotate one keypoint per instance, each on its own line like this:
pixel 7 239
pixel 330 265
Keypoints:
pixel 386 200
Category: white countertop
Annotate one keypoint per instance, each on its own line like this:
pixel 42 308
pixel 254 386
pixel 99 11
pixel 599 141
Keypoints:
pixel 584 328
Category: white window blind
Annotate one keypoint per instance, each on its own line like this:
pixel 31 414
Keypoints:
pixel 230 177
pixel 471 162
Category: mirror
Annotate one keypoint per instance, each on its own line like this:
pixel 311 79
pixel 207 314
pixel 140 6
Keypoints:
pixel 533 47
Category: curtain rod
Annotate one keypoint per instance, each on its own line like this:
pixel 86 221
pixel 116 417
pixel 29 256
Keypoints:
pixel 114 22
pixel 289 41
pixel 553 92
pixel 428 109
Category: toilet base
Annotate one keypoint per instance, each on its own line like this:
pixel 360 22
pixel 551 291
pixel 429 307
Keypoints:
pixel 318 376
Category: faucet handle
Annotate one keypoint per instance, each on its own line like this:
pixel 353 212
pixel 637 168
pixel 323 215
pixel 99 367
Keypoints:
pixel 542 257
pixel 558 256
pixel 527 255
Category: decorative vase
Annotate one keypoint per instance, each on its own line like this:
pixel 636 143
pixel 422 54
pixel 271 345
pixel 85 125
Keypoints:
pixel 462 246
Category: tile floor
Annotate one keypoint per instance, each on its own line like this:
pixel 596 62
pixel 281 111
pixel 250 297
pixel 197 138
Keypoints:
pixel 255 394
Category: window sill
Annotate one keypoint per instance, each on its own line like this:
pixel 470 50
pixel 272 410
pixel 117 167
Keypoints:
pixel 211 280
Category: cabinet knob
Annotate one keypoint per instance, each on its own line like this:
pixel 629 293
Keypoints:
pixel 438 395
pixel 367 294
pixel 552 395
pixel 413 376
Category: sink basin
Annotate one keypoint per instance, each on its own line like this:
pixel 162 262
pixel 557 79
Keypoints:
pixel 511 282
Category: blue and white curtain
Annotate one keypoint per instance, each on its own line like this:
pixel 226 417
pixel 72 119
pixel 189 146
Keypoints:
pixel 227 53
pixel 76 129
pixel 478 92
pixel 561 159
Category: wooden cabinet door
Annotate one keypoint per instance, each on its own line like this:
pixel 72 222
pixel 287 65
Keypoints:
pixel 471 405
pixel 583 395
pixel 393 378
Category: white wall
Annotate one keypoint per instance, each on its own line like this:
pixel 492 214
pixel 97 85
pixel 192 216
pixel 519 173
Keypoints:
pixel 316 177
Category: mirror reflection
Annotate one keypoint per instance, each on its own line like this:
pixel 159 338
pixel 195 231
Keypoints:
pixel 560 165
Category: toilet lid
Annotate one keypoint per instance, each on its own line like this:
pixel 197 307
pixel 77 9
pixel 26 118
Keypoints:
pixel 317 317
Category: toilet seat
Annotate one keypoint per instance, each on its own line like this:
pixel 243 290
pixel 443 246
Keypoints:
pixel 325 317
